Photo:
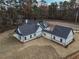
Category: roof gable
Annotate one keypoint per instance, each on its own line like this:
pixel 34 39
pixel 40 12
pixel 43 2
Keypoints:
pixel 28 28
pixel 61 31
pixel 43 24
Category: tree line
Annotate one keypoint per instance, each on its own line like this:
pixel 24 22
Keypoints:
pixel 13 12
pixel 64 11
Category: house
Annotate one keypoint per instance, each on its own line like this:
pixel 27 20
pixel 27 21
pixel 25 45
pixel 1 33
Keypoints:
pixel 29 30
pixel 60 34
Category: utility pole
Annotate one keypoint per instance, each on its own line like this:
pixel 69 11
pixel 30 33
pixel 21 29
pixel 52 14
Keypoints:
pixel 76 19
pixel 77 10
pixel 76 5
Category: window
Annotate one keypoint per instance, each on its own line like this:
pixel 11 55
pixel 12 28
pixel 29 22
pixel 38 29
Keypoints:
pixel 60 40
pixel 54 37
pixel 20 37
pixel 44 34
pixel 30 36
pixel 34 34
pixel 25 38
pixel 72 32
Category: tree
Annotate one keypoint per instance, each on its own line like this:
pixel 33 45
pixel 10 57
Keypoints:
pixel 43 2
pixel 66 9
pixel 54 6
pixel 72 3
pixel 29 8
pixel 61 9
pixel 34 1
pixel 1 2
pixel 36 12
pixel 65 4
pixel 77 14
pixel 61 4
pixel 50 11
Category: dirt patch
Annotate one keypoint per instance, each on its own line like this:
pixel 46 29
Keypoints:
pixel 36 52
pixel 74 56
pixel 11 48
pixel 71 25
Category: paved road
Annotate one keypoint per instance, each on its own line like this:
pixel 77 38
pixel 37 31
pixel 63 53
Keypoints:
pixel 71 25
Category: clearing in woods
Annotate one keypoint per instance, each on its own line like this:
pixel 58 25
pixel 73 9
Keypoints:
pixel 40 48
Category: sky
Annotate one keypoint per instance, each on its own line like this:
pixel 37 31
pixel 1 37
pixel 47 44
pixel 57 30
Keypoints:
pixel 49 1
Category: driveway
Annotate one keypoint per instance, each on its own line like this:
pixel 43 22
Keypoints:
pixel 62 23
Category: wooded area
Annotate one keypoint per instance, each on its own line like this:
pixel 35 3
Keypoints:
pixel 14 12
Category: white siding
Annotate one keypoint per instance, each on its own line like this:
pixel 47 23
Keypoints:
pixel 22 39
pixel 39 29
pixel 70 38
pixel 51 37
pixel 46 35
pixel 48 28
pixel 17 36
pixel 38 33
pixel 28 38
pixel 57 39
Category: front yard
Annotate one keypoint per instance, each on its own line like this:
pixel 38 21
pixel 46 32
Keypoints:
pixel 11 48
pixel 41 48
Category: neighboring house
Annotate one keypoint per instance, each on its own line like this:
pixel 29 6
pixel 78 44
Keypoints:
pixel 33 29
pixel 60 34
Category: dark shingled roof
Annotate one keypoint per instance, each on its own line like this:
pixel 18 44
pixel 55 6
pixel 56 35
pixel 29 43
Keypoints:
pixel 32 22
pixel 60 31
pixel 43 24
pixel 27 28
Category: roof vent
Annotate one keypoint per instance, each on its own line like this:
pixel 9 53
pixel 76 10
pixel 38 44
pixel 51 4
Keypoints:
pixel 26 21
